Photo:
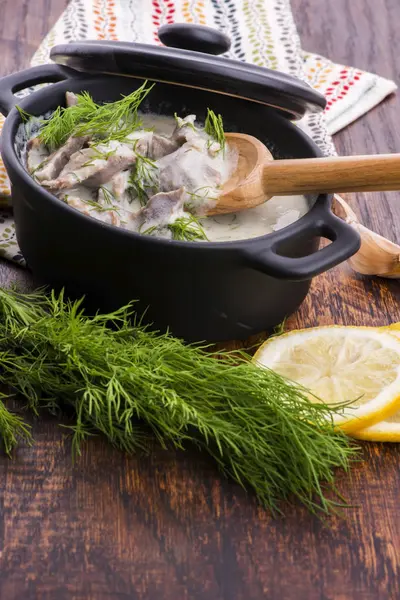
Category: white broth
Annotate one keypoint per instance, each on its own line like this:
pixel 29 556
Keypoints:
pixel 275 214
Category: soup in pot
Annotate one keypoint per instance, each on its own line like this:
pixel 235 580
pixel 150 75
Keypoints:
pixel 152 174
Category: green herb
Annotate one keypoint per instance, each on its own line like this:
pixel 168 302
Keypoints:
pixel 88 163
pixel 39 166
pixel 150 230
pixel 94 205
pixel 23 114
pixel 197 198
pixel 12 428
pixel 100 154
pixel 182 123
pixel 108 196
pixel 64 121
pixel 187 229
pixel 114 120
pixel 116 375
pixel 214 127
pixel 279 329
pixel 143 179
pixel 101 209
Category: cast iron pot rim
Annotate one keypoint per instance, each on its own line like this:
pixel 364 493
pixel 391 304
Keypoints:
pixel 14 119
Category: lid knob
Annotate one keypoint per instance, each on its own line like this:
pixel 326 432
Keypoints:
pixel 194 37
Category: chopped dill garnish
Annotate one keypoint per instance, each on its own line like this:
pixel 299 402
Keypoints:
pixel 63 122
pixel 102 155
pixel 101 209
pixel 199 199
pixel 187 229
pixel 114 120
pixel 143 179
pixel 25 116
pixel 88 163
pixel 122 380
pixel 148 231
pixel 201 193
pixel 182 123
pixel 214 127
pixel 94 205
pixel 39 166
pixel 108 196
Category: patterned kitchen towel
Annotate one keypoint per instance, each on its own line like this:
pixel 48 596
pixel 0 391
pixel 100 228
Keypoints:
pixel 263 32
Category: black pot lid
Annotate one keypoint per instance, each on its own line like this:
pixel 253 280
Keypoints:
pixel 189 58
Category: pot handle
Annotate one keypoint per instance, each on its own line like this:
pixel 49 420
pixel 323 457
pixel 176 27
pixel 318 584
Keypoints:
pixel 23 79
pixel 345 242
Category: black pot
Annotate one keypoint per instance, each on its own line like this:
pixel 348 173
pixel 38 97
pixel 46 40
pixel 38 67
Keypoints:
pixel 200 291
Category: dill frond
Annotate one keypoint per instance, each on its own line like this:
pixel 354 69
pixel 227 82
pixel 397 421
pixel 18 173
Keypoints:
pixel 114 120
pixel 25 116
pixel 187 229
pixel 109 197
pixel 261 429
pixel 214 127
pixel 180 122
pixel 149 230
pixel 143 179
pixel 12 428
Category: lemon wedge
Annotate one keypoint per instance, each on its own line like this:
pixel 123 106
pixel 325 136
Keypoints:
pixel 387 430
pixel 341 364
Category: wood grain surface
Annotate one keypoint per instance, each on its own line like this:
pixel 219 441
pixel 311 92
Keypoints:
pixel 167 527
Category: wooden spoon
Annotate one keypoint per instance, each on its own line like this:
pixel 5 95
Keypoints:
pixel 258 176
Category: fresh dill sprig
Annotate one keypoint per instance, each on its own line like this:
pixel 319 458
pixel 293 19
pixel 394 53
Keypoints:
pixel 262 430
pixel 214 127
pixel 12 428
pixel 25 116
pixel 182 123
pixel 94 205
pixel 279 329
pixel 143 179
pixel 64 121
pixel 108 196
pixel 187 229
pixel 114 120
pixel 199 198
pixel 39 166
pixel 102 209
pixel 149 230
pixel 101 154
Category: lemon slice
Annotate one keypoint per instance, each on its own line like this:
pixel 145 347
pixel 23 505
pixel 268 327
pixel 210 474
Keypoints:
pixel 387 430
pixel 341 364
pixel 384 431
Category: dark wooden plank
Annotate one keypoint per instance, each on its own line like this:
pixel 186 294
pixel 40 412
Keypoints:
pixel 167 526
pixel 23 25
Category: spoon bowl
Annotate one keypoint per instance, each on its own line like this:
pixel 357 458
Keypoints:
pixel 244 189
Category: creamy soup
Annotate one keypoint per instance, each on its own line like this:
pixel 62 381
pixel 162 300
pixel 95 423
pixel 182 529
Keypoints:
pixel 158 178
pixel 275 214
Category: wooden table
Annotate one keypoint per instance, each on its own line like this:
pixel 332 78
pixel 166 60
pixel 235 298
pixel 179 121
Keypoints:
pixel 168 527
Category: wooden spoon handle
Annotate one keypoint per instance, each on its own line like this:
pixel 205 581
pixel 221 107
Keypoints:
pixel 332 174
